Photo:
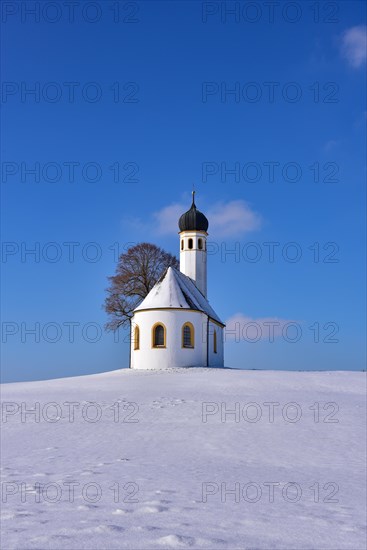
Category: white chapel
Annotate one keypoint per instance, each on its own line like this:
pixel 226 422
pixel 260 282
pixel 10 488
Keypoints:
pixel 175 326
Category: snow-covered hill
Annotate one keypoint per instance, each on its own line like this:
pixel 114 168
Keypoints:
pixel 155 459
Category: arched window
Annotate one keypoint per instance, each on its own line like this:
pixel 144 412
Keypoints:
pixel 215 341
pixel 159 336
pixel 190 244
pixel 200 244
pixel 136 337
pixel 182 244
pixel 187 335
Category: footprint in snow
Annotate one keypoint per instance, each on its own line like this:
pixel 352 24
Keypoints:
pixel 163 402
pixel 152 509
pixel 23 515
pixel 7 515
pixel 176 541
pixel 106 529
pixel 120 512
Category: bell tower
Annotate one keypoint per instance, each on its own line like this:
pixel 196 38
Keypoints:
pixel 193 254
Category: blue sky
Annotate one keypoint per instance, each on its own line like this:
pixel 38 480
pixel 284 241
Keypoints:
pixel 176 94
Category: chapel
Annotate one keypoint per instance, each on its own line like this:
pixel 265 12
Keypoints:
pixel 175 326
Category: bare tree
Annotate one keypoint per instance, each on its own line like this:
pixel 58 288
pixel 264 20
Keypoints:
pixel 137 272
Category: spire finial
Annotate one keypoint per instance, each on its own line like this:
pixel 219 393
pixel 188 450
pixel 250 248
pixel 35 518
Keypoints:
pixel 193 195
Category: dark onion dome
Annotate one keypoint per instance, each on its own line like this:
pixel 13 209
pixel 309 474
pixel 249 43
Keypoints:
pixel 193 219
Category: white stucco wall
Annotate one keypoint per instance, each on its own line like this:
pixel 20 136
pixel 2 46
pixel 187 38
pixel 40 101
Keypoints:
pixel 193 262
pixel 216 359
pixel 173 355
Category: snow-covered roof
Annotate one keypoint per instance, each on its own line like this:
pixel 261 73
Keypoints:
pixel 176 290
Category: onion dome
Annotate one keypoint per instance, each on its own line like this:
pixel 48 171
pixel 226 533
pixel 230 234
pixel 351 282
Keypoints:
pixel 193 219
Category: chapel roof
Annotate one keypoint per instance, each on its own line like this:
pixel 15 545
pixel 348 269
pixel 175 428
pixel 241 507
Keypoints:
pixel 176 290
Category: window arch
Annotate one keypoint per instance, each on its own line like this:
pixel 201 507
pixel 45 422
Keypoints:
pixel 200 244
pixel 190 244
pixel 215 341
pixel 159 336
pixel 136 337
pixel 182 244
pixel 188 336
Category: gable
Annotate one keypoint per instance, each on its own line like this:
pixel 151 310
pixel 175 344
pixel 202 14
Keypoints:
pixel 176 290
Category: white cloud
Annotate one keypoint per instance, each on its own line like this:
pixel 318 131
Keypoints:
pixel 241 328
pixel 166 219
pixel 231 219
pixel 354 45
